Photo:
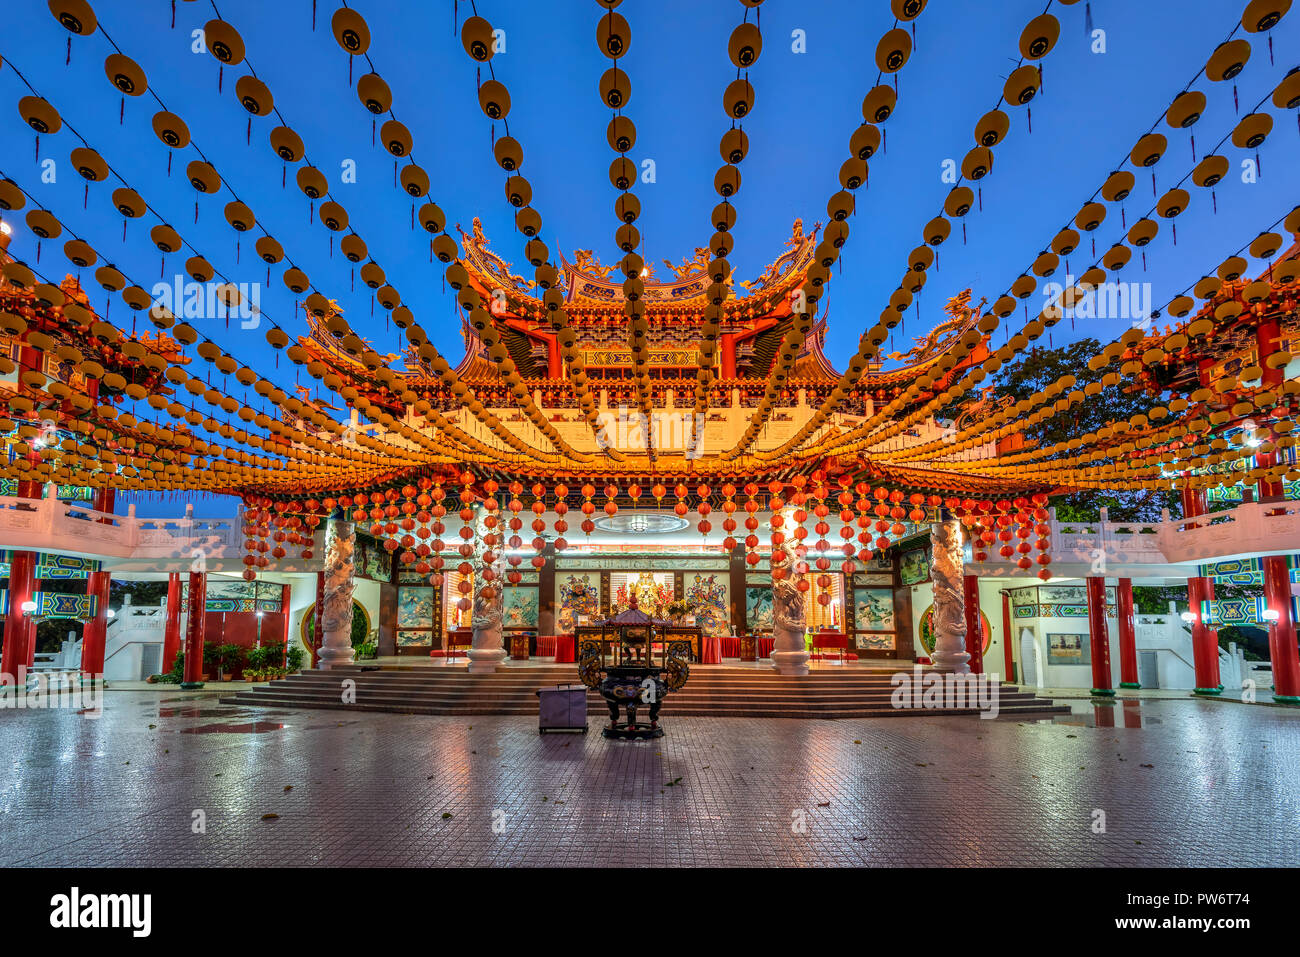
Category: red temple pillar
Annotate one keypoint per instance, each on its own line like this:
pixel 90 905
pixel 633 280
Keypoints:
pixel 1283 650
pixel 318 619
pixel 99 587
pixel 1193 503
pixel 19 637
pixel 727 347
pixel 1128 657
pixel 193 672
pixel 1099 636
pixel 554 364
pixel 95 631
pixel 284 613
pixel 172 630
pixel 1006 638
pixel 1205 645
pixel 974 624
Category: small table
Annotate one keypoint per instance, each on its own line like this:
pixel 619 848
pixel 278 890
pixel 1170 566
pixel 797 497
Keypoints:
pixel 712 653
pixel 564 649
pixel 748 648
pixel 519 647
pixel 765 647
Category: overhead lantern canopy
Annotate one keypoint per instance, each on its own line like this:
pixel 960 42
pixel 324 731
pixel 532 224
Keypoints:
pixel 1039 36
pixel 125 74
pixel 39 115
pixel 904 9
pixel 350 31
pixel 1117 186
pixel 224 42
pixel 254 95
pixel 1260 15
pixel 494 99
pixel 476 37
pixel 89 164
pixel 878 104
pixel 745 45
pixel 76 16
pixel 1022 85
pixel 613 35
pixel 893 50
pixel 991 128
pixel 287 144
pixel 374 93
pixel 171 129
pixel 1227 60
pixel 1186 109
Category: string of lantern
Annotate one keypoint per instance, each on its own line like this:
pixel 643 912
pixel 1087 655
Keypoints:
pixel 494 100
pixel 613 38
pixel 1263 246
pixel 353 36
pixel 892 53
pixel 1036 40
pixel 225 45
pixel 1172 205
pixel 744 47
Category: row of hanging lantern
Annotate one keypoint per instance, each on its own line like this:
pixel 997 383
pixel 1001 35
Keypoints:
pixel 1146 153
pixel 893 51
pixel 744 47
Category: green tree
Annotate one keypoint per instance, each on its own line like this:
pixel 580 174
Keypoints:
pixel 1039 368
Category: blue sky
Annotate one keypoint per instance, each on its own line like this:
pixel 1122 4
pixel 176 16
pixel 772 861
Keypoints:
pixel 1092 109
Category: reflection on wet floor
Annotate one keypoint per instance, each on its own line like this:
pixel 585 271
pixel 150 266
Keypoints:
pixel 246 727
pixel 1105 714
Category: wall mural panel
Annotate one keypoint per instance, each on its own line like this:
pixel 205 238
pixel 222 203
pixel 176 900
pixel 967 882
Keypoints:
pixel 712 599
pixel 873 609
pixel 758 607
pixel 520 607
pixel 914 567
pixel 577 595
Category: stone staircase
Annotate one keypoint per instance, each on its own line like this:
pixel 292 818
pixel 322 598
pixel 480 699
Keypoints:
pixel 717 691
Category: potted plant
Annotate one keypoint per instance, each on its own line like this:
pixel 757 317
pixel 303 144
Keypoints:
pixel 211 659
pixel 229 658
pixel 296 655
pixel 257 657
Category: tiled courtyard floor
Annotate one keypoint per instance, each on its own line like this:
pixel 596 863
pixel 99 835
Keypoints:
pixel 1180 782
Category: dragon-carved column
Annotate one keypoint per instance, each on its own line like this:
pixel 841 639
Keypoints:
pixel 789 649
pixel 949 620
pixel 336 620
pixel 487 648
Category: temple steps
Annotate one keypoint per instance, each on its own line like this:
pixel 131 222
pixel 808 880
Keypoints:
pixel 716 691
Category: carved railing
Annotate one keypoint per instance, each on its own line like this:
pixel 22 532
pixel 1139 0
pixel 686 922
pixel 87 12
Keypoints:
pixel 127 541
pixel 1108 548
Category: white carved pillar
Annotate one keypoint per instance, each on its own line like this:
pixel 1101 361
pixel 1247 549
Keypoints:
pixel 789 649
pixel 487 647
pixel 336 619
pixel 949 621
